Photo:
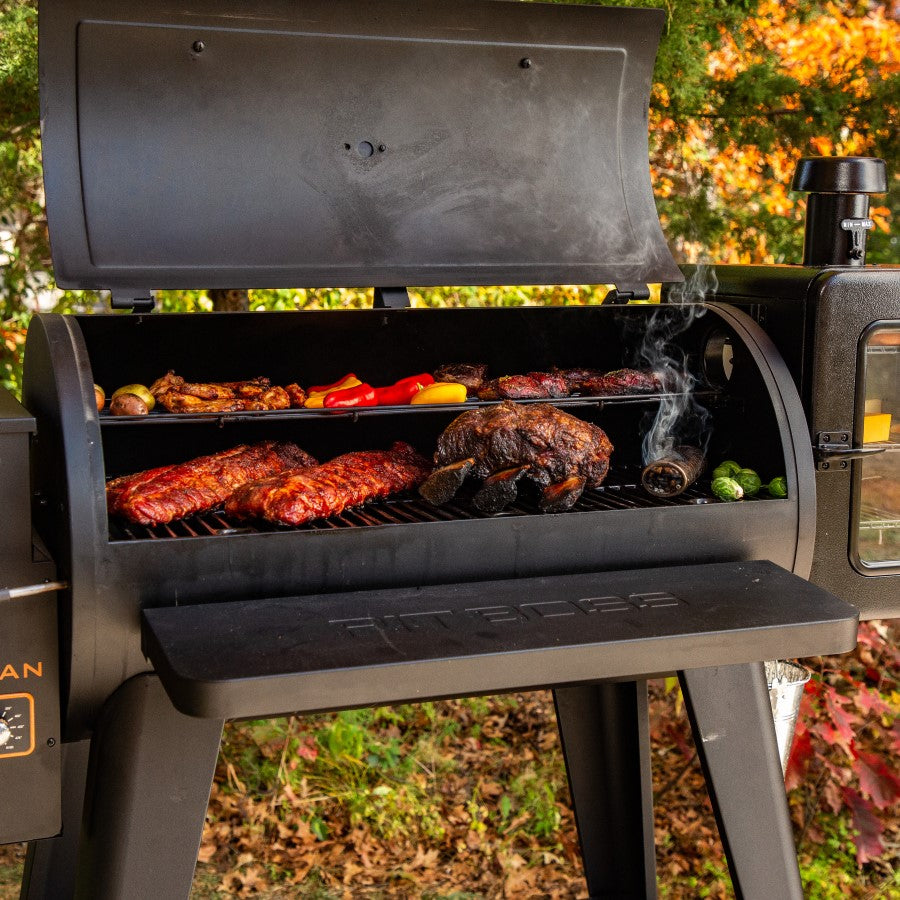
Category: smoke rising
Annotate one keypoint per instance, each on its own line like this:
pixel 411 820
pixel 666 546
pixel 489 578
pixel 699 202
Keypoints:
pixel 680 419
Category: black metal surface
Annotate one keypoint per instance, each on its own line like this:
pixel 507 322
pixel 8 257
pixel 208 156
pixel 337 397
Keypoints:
pixel 51 864
pixel 605 734
pixel 840 175
pixel 323 652
pixel 817 318
pixel 731 719
pixel 148 786
pixel 113 579
pixel 387 171
pixel 29 648
pixel 837 211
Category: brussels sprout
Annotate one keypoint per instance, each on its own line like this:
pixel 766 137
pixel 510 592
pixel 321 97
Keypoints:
pixel 749 481
pixel 727 489
pixel 777 487
pixel 727 469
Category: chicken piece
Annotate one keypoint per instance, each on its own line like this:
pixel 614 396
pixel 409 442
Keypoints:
pixel 296 395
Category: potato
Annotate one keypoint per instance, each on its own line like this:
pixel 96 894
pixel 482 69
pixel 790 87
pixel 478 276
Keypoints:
pixel 128 405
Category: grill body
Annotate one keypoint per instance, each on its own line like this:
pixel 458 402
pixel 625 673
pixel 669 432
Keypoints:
pixel 117 570
pixel 166 632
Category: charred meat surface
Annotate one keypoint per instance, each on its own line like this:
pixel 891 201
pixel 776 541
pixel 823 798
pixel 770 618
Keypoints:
pixel 575 378
pixel 623 381
pixel 471 375
pixel 162 495
pixel 560 452
pixel 513 387
pixel 296 497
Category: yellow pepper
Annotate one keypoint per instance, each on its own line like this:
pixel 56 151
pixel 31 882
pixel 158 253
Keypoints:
pixel 441 392
pixel 316 399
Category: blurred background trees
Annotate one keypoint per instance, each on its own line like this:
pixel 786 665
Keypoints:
pixel 742 90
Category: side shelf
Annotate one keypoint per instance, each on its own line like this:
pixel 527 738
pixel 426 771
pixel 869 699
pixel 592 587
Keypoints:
pixel 363 648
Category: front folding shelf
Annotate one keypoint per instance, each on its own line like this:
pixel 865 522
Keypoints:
pixel 362 648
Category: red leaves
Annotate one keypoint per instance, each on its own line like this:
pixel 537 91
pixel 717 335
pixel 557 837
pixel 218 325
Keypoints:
pixel 868 840
pixel 876 780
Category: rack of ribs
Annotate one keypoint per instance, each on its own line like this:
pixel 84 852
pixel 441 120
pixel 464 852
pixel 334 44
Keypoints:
pixel 158 496
pixel 296 497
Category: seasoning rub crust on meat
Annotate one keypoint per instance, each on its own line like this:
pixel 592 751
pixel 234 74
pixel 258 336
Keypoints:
pixel 158 496
pixel 294 498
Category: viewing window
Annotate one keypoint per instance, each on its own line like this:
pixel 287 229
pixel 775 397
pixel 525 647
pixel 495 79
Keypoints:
pixel 877 507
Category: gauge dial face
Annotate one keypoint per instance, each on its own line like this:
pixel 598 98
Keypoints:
pixel 16 725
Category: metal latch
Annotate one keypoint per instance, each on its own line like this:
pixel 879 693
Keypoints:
pixel 833 450
pixel 857 229
pixel 129 298
pixel 622 294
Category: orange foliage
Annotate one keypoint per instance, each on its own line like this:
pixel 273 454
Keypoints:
pixel 834 46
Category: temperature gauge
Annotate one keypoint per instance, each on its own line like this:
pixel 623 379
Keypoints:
pixel 16 725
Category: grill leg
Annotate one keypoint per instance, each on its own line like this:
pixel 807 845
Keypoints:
pixel 148 786
pixel 50 864
pixel 731 718
pixel 605 733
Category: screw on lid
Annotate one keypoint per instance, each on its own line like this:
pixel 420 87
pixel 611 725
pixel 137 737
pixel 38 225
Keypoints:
pixel 840 175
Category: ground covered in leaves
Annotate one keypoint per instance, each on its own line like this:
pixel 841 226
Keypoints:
pixel 468 799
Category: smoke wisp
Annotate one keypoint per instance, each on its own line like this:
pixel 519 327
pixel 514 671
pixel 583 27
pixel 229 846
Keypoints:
pixel 680 419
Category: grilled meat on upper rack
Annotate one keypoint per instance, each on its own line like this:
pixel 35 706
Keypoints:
pixel 296 497
pixel 176 395
pixel 502 443
pixel 533 386
pixel 622 381
pixel 472 376
pixel 172 492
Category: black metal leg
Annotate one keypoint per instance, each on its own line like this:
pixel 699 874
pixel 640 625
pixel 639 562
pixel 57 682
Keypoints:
pixel 605 733
pixel 149 778
pixel 50 863
pixel 731 718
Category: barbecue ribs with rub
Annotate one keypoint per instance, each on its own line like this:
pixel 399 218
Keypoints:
pixel 294 498
pixel 503 443
pixel 161 495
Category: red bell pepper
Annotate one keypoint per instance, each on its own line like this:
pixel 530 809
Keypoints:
pixel 361 395
pixel 327 388
pixel 402 391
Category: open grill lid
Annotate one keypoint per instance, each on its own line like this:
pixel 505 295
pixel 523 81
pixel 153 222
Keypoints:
pixel 285 143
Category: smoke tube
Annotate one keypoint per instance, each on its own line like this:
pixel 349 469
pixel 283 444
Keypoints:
pixel 669 476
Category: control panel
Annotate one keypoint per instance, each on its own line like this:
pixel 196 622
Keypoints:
pixel 16 725
pixel 30 739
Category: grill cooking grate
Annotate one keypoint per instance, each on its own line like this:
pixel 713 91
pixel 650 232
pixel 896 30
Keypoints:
pixel 403 510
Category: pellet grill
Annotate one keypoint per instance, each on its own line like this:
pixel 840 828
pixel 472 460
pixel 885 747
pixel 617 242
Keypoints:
pixel 386 144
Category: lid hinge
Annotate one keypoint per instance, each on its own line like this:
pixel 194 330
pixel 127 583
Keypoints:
pixel 391 298
pixel 620 295
pixel 139 301
pixel 833 450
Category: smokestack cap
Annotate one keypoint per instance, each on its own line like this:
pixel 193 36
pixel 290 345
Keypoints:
pixel 840 175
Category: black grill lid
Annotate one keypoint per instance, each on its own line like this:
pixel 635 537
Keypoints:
pixel 330 142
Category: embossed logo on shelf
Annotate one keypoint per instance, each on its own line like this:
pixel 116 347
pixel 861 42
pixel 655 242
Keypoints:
pixel 539 611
